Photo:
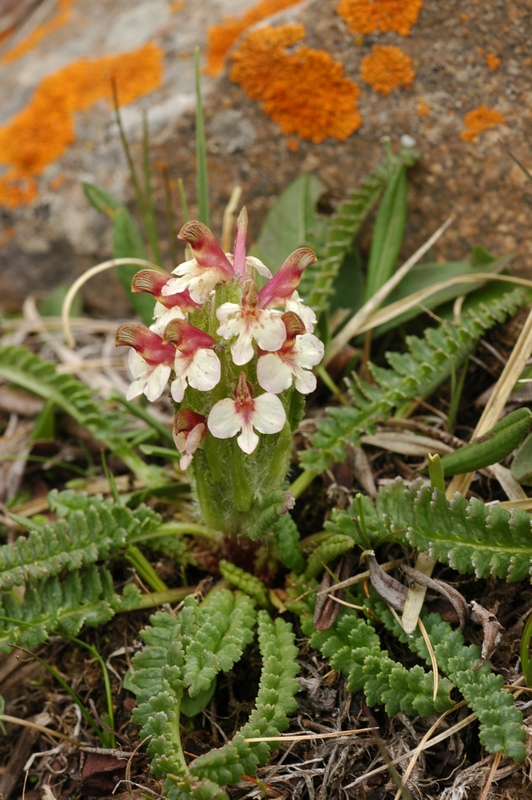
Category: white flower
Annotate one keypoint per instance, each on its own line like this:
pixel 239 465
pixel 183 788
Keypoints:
pixel 150 360
pixel 275 371
pixel 201 370
pixel 189 431
pixel 265 327
pixel 264 413
pixel 300 352
pixel 150 380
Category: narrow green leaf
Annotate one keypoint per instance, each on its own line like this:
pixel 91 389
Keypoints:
pixel 388 234
pixel 201 149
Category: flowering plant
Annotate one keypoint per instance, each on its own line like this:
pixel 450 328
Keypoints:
pixel 239 362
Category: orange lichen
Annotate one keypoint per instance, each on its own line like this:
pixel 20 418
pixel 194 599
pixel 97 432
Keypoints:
pixel 221 38
pixel 480 119
pixel 176 6
pixel 61 18
pixel 42 131
pixel 423 108
pixel 369 16
pixel 492 61
pixel 387 68
pixel 304 91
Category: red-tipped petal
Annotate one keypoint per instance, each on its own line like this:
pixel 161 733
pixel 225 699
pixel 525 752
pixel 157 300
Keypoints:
pixel 286 280
pixel 186 420
pixel 147 343
pixel 205 249
pixel 150 281
pixel 186 337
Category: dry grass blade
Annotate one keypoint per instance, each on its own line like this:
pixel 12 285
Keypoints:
pixel 303 737
pixel 27 724
pixel 228 221
pixel 421 746
pixel 356 324
pixel 394 309
pixel 90 273
pixel 425 744
pixel 489 781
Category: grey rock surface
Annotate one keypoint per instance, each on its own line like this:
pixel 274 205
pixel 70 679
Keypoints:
pixel 57 235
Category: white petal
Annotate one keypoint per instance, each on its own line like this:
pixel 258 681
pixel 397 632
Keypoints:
pixel 204 371
pixel 242 350
pixel 273 374
pixel 164 317
pixel 156 383
pixel 228 310
pixel 184 461
pixel 185 268
pixel 268 415
pixel 261 268
pixel 269 331
pixel 305 381
pixel 136 388
pixel 231 327
pixel 177 388
pixel 248 439
pixel 137 365
pixel 223 420
pixel 308 350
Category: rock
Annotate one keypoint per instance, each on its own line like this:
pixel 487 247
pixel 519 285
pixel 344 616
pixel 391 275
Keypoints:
pixel 56 235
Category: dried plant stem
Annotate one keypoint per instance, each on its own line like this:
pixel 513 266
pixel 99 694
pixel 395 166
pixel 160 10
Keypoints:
pixel 356 323
pixel 90 273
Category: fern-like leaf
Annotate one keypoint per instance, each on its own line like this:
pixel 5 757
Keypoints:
pixel 181 655
pixel 54 606
pixel 92 529
pixel 466 534
pixel 416 373
pixel 21 367
pixel 500 722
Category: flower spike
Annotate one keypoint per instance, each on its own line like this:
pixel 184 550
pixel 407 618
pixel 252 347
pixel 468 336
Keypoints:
pixel 227 417
pixel 286 280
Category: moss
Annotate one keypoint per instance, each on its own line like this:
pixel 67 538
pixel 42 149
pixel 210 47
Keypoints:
pixel 387 68
pixel 221 38
pixel 369 16
pixel 304 91
pixel 480 119
pixel 43 130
